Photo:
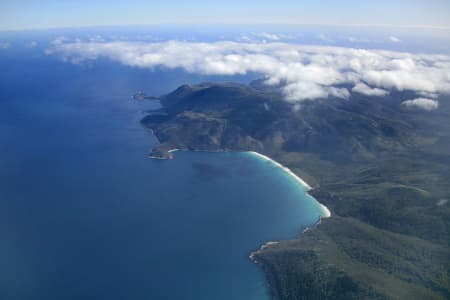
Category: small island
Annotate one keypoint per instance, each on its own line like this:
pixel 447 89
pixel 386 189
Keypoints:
pixel 141 96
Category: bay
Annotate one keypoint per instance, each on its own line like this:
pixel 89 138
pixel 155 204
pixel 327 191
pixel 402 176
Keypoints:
pixel 85 214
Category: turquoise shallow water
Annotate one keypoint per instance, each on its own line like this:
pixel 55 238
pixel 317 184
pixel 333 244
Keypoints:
pixel 85 214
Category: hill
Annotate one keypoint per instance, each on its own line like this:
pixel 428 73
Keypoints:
pixel 382 168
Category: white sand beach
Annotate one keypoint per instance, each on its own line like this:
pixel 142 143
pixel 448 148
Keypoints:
pixel 326 212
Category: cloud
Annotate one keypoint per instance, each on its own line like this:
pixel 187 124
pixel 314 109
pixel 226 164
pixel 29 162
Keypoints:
pixel 59 40
pixel 264 37
pixel 96 38
pixel 304 72
pixel 4 45
pixel 357 40
pixel 394 39
pixel 245 38
pixel 32 44
pixel 428 95
pixel 422 103
pixel 269 36
pixel 325 38
pixel 364 89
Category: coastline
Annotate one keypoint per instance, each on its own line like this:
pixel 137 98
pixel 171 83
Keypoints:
pixel 253 256
pixel 272 287
pixel 313 262
pixel 326 212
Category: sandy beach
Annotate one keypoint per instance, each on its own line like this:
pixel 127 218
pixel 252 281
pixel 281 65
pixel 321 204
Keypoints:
pixel 326 212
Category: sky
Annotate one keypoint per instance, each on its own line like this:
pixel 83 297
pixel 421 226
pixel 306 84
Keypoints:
pixel 43 14
pixel 308 63
pixel 304 72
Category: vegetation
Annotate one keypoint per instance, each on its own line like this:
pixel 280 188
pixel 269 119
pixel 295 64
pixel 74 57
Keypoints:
pixel 382 169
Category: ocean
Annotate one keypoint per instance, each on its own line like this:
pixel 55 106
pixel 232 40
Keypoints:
pixel 85 214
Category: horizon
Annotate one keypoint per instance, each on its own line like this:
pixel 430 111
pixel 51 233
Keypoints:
pixel 314 142
pixel 230 25
pixel 48 14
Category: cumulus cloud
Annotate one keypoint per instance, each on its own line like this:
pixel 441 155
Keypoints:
pixel 394 39
pixel 422 103
pixel 363 88
pixel 304 72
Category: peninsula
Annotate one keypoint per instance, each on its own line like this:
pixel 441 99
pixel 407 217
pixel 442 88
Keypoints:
pixel 381 168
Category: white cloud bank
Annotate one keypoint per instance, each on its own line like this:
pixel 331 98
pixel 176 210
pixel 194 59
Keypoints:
pixel 422 103
pixel 305 72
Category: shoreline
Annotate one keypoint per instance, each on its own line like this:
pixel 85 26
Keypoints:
pixel 273 290
pixel 287 170
pixel 326 212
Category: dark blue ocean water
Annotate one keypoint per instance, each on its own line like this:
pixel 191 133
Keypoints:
pixel 84 214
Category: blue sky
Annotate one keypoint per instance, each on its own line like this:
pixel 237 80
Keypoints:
pixel 32 14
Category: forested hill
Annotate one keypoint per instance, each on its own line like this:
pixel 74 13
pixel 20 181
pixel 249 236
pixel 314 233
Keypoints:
pixel 381 167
